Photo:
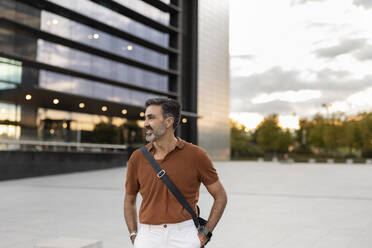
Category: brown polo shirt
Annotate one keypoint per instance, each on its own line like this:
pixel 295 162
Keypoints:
pixel 187 166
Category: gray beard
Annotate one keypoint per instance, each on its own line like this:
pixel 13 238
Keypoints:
pixel 156 134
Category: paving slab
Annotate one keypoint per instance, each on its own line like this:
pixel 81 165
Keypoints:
pixel 68 242
pixel 270 205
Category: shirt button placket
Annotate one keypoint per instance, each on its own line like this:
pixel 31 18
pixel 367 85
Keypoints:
pixel 165 235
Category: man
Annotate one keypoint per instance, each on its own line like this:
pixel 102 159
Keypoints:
pixel 164 222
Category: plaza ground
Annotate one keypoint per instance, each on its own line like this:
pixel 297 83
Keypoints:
pixel 270 205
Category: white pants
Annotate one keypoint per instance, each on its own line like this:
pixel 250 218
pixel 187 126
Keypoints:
pixel 179 235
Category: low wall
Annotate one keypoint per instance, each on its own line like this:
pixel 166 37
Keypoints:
pixel 21 164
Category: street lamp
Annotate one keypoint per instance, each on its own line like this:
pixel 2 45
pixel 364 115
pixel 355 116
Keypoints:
pixel 326 106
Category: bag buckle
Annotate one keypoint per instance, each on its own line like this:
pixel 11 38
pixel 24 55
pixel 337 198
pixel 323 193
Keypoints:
pixel 161 174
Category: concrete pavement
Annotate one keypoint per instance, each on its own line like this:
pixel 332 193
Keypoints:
pixel 270 205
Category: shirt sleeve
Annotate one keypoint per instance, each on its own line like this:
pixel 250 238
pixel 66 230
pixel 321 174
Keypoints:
pixel 132 183
pixel 207 172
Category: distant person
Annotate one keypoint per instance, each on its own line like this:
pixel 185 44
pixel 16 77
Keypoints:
pixel 285 157
pixel 164 222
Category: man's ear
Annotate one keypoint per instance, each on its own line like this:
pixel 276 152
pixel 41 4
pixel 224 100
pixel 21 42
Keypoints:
pixel 170 121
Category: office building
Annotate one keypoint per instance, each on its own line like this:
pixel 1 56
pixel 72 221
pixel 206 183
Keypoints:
pixel 79 72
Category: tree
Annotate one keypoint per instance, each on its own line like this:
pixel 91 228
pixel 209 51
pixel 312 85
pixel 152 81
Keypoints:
pixel 105 133
pixel 285 140
pixel 268 134
pixel 351 137
pixel 131 134
pixel 316 132
pixel 242 144
pixel 365 125
pixel 301 136
pixel 333 134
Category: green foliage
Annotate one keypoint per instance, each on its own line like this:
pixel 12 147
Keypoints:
pixel 105 133
pixel 131 134
pixel 366 133
pixel 285 140
pixel 337 136
pixel 242 142
pixel 316 132
pixel 128 133
pixel 267 138
pixel 268 134
pixel 271 138
pixel 351 137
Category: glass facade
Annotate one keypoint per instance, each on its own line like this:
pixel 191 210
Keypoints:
pixel 117 20
pixel 72 30
pixel 10 76
pixel 10 71
pixel 81 71
pixel 9 113
pixel 44 53
pixel 72 59
pixel 147 10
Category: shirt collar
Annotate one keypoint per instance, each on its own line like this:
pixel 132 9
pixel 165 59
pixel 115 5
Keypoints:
pixel 180 144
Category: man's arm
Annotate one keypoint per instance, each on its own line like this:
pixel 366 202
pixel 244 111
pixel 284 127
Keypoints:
pixel 130 214
pixel 220 200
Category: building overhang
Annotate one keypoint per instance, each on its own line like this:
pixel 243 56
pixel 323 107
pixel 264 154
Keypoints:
pixel 44 98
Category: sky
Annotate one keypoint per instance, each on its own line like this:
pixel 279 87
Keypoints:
pixel 290 57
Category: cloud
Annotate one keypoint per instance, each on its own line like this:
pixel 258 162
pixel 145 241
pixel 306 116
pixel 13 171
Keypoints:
pixel 276 80
pixel 358 48
pixel 249 120
pixel 328 53
pixel 318 25
pixel 267 81
pixel 287 96
pixel 345 46
pixel 364 3
pixel 363 54
pixel 243 56
pixel 362 98
pixel 328 74
pixel 245 105
pixel 300 2
pixel 357 102
pixel 332 85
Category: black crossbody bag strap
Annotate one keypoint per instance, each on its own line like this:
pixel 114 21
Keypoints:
pixel 164 177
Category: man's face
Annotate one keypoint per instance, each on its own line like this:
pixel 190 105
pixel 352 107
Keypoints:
pixel 155 125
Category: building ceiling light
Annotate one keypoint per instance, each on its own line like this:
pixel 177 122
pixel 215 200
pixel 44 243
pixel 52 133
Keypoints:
pixel 55 21
pixel 95 36
pixel 55 101
pixel 124 111
pixel 130 47
pixel 81 105
pixel 51 131
pixel 184 120
pixel 90 36
pixel 64 125
pixel 28 97
pixel 142 114
pixel 104 108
